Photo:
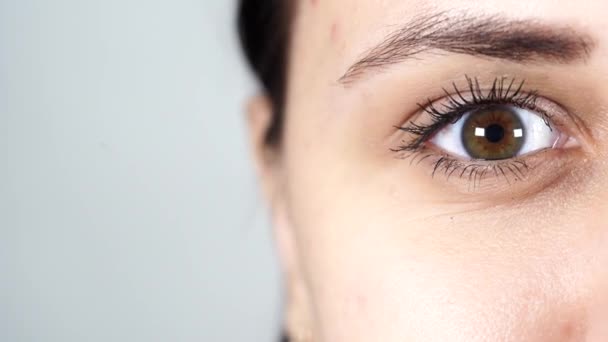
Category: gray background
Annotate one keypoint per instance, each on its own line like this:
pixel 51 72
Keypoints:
pixel 128 208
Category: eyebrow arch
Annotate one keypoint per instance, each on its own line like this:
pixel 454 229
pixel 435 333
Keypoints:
pixel 520 41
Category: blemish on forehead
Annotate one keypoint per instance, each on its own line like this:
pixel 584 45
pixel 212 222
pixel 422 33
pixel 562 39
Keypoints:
pixel 314 3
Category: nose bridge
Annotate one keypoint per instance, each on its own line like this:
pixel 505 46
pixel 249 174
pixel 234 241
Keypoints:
pixel 596 267
pixel 582 262
pixel 597 330
pixel 585 314
pixel 597 199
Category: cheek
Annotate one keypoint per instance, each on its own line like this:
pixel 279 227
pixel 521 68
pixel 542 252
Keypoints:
pixel 383 266
pixel 369 284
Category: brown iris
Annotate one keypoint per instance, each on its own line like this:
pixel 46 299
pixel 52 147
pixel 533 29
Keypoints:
pixel 493 133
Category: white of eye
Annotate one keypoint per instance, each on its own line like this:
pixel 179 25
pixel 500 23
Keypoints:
pixel 536 133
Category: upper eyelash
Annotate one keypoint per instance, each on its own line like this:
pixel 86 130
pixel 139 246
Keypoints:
pixel 502 92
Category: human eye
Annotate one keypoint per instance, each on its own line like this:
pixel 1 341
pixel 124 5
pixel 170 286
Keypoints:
pixel 479 132
pixel 498 132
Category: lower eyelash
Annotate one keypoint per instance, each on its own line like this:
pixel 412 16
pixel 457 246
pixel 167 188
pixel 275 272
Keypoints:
pixel 474 171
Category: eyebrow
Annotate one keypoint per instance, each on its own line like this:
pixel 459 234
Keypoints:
pixel 520 41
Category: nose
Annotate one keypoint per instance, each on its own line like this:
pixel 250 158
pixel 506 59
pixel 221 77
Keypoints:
pixel 569 298
pixel 597 321
pixel 588 271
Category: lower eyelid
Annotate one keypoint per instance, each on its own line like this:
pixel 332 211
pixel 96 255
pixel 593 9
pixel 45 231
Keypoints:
pixel 498 180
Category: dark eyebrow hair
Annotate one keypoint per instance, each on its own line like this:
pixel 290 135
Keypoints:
pixel 490 36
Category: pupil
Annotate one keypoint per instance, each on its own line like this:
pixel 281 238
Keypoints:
pixel 495 133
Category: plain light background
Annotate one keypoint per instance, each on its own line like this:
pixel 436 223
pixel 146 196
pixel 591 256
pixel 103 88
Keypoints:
pixel 128 205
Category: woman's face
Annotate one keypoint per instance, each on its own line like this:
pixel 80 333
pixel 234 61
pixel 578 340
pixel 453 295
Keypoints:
pixel 443 171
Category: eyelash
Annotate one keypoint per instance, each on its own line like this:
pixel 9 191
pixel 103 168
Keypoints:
pixel 503 91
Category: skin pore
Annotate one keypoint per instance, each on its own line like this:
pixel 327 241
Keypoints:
pixel 383 243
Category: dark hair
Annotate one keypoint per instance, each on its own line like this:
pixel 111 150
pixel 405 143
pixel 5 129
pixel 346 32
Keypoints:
pixel 264 31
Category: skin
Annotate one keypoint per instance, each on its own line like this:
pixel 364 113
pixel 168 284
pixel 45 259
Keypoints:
pixel 375 249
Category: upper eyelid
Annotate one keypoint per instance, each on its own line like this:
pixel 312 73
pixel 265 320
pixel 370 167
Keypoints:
pixel 503 89
pixel 512 92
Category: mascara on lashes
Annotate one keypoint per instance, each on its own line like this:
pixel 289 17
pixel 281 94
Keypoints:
pixel 501 93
